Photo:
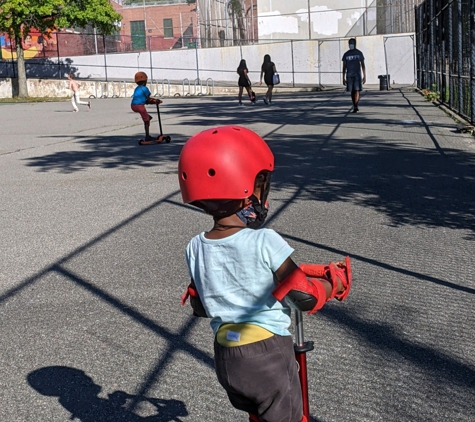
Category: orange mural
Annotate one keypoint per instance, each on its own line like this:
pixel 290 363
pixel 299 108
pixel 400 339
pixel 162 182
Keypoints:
pixel 34 45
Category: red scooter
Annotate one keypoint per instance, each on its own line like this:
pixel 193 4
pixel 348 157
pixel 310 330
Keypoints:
pixel 160 137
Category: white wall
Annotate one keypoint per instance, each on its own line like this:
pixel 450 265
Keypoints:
pixel 314 62
pixel 311 62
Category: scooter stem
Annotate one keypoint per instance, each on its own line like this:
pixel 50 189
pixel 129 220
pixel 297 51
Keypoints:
pixel 301 347
pixel 159 120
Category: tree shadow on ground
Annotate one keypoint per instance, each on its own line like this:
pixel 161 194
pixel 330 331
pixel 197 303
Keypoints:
pixel 378 167
pixel 408 185
pixel 106 152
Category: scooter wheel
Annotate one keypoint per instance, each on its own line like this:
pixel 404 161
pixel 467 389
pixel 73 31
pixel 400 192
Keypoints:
pixel 167 139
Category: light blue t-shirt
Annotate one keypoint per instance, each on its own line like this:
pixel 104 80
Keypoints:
pixel 140 95
pixel 234 277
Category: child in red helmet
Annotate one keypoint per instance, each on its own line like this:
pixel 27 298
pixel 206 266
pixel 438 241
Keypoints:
pixel 235 270
pixel 141 97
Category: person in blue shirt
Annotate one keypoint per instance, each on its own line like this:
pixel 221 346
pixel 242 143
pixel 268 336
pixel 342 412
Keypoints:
pixel 141 97
pixel 353 67
pixel 243 277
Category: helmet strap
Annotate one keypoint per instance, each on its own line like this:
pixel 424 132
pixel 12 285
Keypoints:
pixel 255 213
pixel 261 209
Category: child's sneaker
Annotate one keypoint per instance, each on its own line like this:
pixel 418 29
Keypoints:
pixel 150 138
pixel 240 103
pixel 265 100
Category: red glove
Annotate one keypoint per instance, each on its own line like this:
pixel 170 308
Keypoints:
pixel 332 272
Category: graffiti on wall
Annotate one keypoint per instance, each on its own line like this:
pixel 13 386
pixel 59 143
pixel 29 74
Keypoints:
pixel 34 46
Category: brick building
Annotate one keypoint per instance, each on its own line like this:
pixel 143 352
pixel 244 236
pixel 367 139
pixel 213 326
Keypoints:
pixel 157 24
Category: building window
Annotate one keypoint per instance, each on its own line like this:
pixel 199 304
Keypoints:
pixel 168 28
pixel 137 31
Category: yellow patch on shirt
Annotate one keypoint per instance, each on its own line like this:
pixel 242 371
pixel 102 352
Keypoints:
pixel 232 335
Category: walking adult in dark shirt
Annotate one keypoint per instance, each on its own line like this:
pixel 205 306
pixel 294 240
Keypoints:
pixel 244 81
pixel 268 70
pixel 353 67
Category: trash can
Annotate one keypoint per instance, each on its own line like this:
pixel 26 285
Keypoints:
pixel 383 82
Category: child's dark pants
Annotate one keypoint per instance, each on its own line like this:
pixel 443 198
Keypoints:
pixel 262 378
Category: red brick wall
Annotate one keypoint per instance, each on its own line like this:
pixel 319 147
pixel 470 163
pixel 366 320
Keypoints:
pixel 154 16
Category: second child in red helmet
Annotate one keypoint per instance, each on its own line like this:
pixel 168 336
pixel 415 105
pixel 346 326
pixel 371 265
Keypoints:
pixel 243 277
pixel 141 97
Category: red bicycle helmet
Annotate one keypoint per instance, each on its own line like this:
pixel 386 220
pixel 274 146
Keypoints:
pixel 141 77
pixel 222 163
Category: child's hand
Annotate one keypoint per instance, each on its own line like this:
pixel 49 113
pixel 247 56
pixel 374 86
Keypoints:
pixel 151 100
pixel 344 277
pixel 338 273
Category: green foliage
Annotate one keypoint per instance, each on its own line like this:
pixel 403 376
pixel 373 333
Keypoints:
pixel 235 6
pixel 98 13
pixel 431 95
pixel 19 17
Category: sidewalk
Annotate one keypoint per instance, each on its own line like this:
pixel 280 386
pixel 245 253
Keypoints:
pixel 93 238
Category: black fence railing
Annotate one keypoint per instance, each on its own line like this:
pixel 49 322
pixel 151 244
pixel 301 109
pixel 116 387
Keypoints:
pixel 445 43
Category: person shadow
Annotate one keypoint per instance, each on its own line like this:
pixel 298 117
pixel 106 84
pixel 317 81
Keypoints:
pixel 78 394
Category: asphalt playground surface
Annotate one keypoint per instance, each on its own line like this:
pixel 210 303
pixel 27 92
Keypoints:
pixel 93 232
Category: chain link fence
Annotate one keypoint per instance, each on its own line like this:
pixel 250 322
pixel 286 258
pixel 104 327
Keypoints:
pixel 60 54
pixel 445 36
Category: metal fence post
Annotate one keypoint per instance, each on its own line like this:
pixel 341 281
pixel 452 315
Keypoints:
pixel 459 55
pixel 416 56
pixel 426 46
pixel 437 30
pixel 105 56
pixel 57 51
pixel 293 69
pixel 443 87
pixel 431 45
pixel 309 21
pixel 472 61
pixel 197 63
pixel 150 54
pixel 451 54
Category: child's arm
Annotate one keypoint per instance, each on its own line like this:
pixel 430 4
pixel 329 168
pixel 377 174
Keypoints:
pixel 151 100
pixel 195 301
pixel 311 293
pixel 289 266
